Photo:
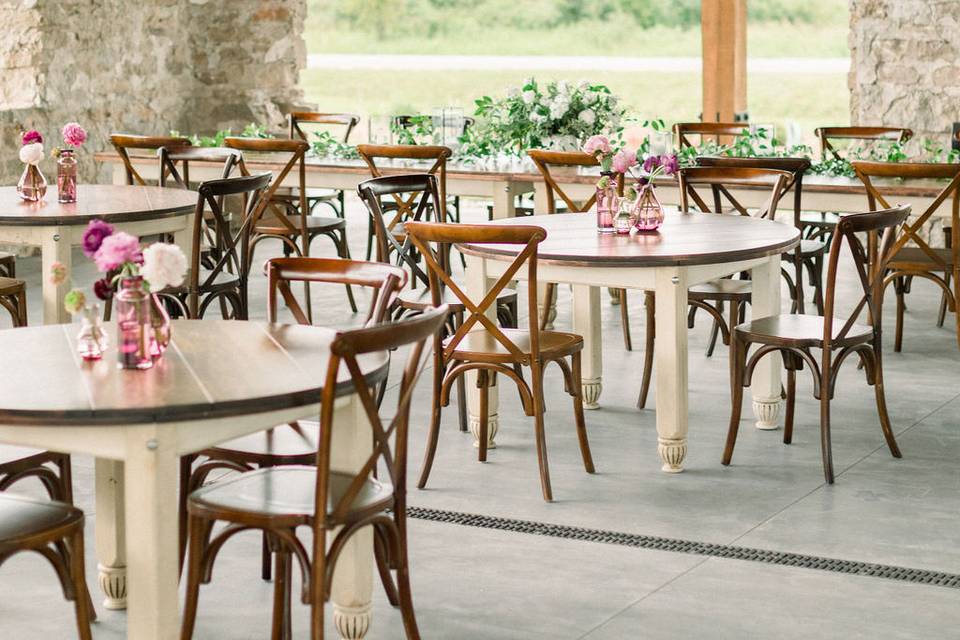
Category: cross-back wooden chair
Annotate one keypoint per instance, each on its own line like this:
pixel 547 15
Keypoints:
pixel 479 345
pixel 295 443
pixel 333 504
pixel 828 135
pixel 13 298
pixel 285 216
pixel 124 142
pixel 8 265
pixel 300 124
pixel 912 255
pixel 545 161
pixel 396 247
pixel 55 531
pixel 434 159
pixel 796 336
pixel 715 131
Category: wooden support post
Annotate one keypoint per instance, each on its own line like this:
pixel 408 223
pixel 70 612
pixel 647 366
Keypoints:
pixel 724 32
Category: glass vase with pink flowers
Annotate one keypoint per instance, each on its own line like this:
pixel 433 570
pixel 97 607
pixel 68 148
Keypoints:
pixel 608 197
pixel 73 136
pixel 32 186
pixel 648 212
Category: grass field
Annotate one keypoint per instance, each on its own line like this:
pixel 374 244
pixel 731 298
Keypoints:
pixel 810 99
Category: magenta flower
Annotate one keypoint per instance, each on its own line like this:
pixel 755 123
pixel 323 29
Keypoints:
pixel 103 289
pixel 116 250
pixel 597 145
pixel 31 137
pixel 624 160
pixel 651 163
pixel 670 164
pixel 73 134
pixel 93 237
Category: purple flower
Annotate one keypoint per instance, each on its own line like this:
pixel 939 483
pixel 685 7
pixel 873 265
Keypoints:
pixel 117 249
pixel 73 134
pixel 30 137
pixel 103 289
pixel 93 237
pixel 670 164
pixel 651 163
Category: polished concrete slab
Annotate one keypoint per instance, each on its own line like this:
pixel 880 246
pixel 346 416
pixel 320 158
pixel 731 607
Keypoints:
pixel 483 583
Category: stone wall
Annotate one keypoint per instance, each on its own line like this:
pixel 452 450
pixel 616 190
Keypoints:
pixel 144 66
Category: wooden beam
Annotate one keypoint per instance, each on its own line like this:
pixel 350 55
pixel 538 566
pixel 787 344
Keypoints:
pixel 723 24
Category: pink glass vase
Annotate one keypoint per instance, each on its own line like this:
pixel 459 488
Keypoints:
pixel 32 186
pixel 66 176
pixel 648 211
pixel 160 327
pixel 134 328
pixel 92 339
pixel 608 201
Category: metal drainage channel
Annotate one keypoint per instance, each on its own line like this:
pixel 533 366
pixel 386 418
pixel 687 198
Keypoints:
pixel 890 572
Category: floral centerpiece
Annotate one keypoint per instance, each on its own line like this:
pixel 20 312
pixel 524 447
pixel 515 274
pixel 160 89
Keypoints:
pixel 73 137
pixel 32 185
pixel 647 210
pixel 142 321
pixel 608 196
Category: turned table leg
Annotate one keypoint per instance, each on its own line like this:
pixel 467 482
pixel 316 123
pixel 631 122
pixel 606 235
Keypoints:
pixel 671 367
pixel 109 533
pixel 765 384
pixel 586 323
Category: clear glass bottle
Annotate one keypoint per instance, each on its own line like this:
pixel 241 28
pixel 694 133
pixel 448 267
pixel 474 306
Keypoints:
pixel 66 176
pixel 160 327
pixel 623 223
pixel 92 339
pixel 648 210
pixel 134 328
pixel 608 201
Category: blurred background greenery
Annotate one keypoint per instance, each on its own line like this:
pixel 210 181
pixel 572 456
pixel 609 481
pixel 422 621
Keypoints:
pixel 619 28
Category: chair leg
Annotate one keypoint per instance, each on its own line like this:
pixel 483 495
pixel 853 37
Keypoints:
pixel 403 579
pixel 484 418
pixel 625 319
pixel 462 403
pixel 281 628
pixel 536 376
pixel 82 604
pixel 898 289
pixel 22 309
pixel 547 301
pixel 434 428
pixel 186 470
pixel 383 567
pixel 882 409
pixel 791 405
pixel 194 564
pixel 737 365
pixel 826 447
pixel 714 332
pixel 650 304
pixel 818 284
pixel 343 250
pixel 942 314
pixel 577 392
pixel 65 476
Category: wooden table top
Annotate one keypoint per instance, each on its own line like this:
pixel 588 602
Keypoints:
pixel 682 240
pixel 113 203
pixel 213 368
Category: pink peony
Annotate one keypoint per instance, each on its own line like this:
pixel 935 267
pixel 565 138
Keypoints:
pixel 624 159
pixel 651 163
pixel 93 237
pixel 597 145
pixel 73 134
pixel 30 137
pixel 164 265
pixel 117 249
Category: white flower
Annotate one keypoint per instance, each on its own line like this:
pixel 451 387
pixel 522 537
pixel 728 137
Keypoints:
pixel 563 88
pixel 513 92
pixel 583 85
pixel 529 97
pixel 587 116
pixel 558 110
pixel 612 101
pixel 537 117
pixel 164 265
pixel 31 153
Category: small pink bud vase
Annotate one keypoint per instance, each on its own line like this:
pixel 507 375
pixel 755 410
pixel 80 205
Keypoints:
pixel 134 326
pixel 66 176
pixel 160 323
pixel 32 185
pixel 608 202
pixel 648 211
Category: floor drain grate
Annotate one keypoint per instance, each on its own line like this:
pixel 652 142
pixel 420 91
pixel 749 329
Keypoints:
pixel 852 567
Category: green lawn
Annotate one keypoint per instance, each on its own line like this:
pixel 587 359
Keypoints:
pixel 810 99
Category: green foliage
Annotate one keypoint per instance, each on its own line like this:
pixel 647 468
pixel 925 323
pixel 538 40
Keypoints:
pixel 417 129
pixel 252 130
pixel 327 145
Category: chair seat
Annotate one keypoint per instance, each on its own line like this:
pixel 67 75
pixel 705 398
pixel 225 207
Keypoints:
pixel 312 193
pixel 224 281
pixel 419 299
pixel 800 330
pixel 723 289
pixel 285 496
pixel 315 224
pixel 23 518
pixel 11 286
pixel 284 444
pixel 819 218
pixel 917 258
pixel 480 345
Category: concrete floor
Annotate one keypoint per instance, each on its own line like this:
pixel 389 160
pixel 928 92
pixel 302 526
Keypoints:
pixel 474 583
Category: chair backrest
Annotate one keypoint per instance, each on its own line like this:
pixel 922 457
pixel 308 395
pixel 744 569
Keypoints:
pixel 370 153
pixel 407 188
pixel 544 160
pixel 391 457
pixel 298 118
pixel 406 121
pixel 720 179
pixel 122 142
pixel 870 277
pixel 271 206
pixel 706 130
pixel 385 281
pixel 863 134
pixel 232 256
pixel 797 167
pixel 433 240
pixel 171 156
pixel 910 230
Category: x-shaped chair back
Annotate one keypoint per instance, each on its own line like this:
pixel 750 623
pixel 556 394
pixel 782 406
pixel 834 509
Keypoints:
pixel 435 158
pixel 122 142
pixel 384 280
pixel 544 160
pixel 720 180
pixel 706 130
pixel 870 277
pixel 298 118
pixel 870 135
pixel 910 231
pixel 346 351
pixel 409 188
pixel 172 156
pixel 433 240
